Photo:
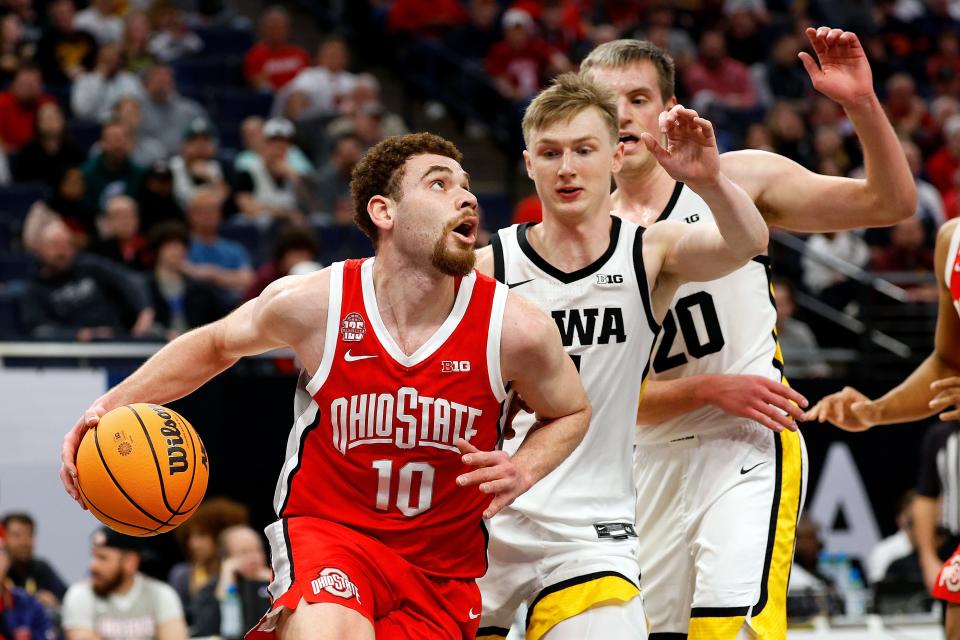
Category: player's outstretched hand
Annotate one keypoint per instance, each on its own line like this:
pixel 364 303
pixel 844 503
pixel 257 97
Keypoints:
pixel 948 395
pixel 848 409
pixel 773 404
pixel 68 454
pixel 691 155
pixel 496 473
pixel 844 73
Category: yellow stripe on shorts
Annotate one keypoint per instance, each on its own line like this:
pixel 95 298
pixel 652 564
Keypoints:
pixel 572 597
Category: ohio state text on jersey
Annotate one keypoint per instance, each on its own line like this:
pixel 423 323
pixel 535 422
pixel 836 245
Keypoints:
pixel 373 445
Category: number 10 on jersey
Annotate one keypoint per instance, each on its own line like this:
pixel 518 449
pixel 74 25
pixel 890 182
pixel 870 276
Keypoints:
pixel 403 498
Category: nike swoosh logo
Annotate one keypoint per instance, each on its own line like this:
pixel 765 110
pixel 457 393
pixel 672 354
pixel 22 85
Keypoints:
pixel 473 616
pixel 517 284
pixel 746 471
pixel 350 358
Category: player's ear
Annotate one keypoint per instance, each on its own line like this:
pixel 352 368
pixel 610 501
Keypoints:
pixel 527 164
pixel 617 158
pixel 382 211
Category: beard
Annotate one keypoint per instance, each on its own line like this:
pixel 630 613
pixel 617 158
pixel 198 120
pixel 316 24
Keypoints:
pixel 456 261
pixel 104 586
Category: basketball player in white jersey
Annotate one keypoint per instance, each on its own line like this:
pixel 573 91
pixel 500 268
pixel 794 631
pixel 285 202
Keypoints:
pixel 412 197
pixel 933 388
pixel 718 493
pixel 568 551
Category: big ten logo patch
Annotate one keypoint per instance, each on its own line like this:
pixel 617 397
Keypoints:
pixel 613 278
pixel 336 582
pixel 353 327
pixel 454 366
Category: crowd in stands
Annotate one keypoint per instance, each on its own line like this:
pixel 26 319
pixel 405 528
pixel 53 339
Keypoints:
pixel 192 148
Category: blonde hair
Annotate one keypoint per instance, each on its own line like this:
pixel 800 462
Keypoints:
pixel 618 54
pixel 567 97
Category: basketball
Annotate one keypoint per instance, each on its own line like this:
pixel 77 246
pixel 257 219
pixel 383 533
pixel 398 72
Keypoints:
pixel 143 470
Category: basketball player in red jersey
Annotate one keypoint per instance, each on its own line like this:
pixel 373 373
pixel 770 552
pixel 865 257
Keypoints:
pixel 934 387
pixel 406 359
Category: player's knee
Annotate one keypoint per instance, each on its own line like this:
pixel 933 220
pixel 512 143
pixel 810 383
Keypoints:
pixel 324 621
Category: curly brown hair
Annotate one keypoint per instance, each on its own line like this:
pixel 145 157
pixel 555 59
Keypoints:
pixel 211 517
pixel 380 172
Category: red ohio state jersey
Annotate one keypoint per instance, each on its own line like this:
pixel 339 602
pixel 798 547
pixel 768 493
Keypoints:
pixel 373 445
pixel 953 268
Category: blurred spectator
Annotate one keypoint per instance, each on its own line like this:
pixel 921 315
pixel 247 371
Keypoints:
pixel 327 83
pixel 197 164
pixel 19 106
pixel 120 238
pixel 824 281
pixel 181 303
pixel 167 114
pixel 95 93
pixel 521 63
pixel 273 61
pixel 64 52
pixel 364 100
pixel 790 134
pixel 156 199
pixel 135 44
pixel 325 193
pixel 26 13
pixel 943 164
pixel 661 29
pixel 905 109
pixel 267 190
pixel 69 202
pixel 909 254
pixel 929 202
pixel 811 591
pixel 530 209
pixel 146 150
pixel 746 38
pixel 830 152
pixel 198 538
pixel 254 142
pixel 32 574
pixel 244 577
pixel 118 602
pixel 294 246
pixel 100 20
pixel 785 77
pixel 561 30
pixel 112 171
pixel 15 49
pixel 719 85
pixel 474 38
pixel 800 349
pixel 21 615
pixel 424 19
pixel 52 150
pixel 211 258
pixel 896 546
pixel 759 137
pixel 79 296
pixel 173 38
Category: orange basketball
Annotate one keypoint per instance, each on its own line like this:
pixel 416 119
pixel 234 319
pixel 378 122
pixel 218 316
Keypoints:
pixel 143 470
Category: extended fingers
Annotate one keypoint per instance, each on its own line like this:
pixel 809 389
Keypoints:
pixel 784 404
pixel 479 476
pixel 465 447
pixel 770 423
pixel 786 392
pixel 945 383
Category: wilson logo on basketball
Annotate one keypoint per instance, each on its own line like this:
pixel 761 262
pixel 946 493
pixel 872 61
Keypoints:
pixel 176 454
pixel 353 327
pixel 336 582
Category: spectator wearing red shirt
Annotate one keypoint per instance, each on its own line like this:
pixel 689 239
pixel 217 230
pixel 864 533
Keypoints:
pixel 943 164
pixel 727 80
pixel 273 62
pixel 521 63
pixel 528 210
pixel 19 106
pixel 425 17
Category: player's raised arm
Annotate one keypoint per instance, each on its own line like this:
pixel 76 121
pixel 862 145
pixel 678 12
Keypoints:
pixel 702 252
pixel 932 388
pixel 534 364
pixel 791 196
pixel 287 311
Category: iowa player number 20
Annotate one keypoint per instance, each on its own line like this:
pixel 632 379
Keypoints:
pixel 680 321
pixel 404 500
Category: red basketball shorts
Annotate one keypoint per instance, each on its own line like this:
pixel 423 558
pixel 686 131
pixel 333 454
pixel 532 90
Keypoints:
pixel 320 561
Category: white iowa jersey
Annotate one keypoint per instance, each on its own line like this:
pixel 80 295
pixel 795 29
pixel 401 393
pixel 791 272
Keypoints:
pixel 604 316
pixel 724 326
